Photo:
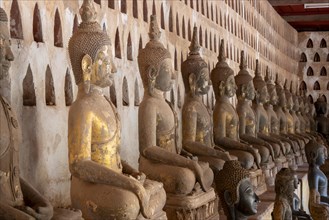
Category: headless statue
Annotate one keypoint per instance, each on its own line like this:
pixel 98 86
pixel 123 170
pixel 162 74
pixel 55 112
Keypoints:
pixel 197 120
pixel 318 182
pixel 103 186
pixel 238 199
pixel 262 118
pixel 18 199
pixel 160 156
pixel 226 120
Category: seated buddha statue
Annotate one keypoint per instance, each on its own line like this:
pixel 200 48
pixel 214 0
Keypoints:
pixel 286 183
pixel 238 199
pixel 317 180
pixel 18 199
pixel 262 118
pixel 225 118
pixel 103 186
pixel 321 121
pixel 196 118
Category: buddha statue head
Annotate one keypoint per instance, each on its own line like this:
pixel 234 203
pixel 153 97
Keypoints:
pixel 316 153
pixel 273 97
pixel 262 95
pixel 6 55
pixel 280 92
pixel 222 76
pixel 236 191
pixel 154 62
pixel 286 182
pixel 195 71
pixel 295 100
pixel 288 95
pixel 88 50
pixel 320 106
pixel 244 82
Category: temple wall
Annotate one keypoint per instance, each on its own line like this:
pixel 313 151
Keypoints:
pixel 41 57
pixel 314 63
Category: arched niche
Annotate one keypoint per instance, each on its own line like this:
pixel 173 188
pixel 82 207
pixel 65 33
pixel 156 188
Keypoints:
pixel 316 86
pixel 206 39
pixel 111 4
pixel 323 71
pixel 310 99
pixel 68 89
pixel 125 92
pixel 140 45
pixel 145 11
pixel 97 2
pixel 303 86
pixel 191 3
pixel 129 49
pixel 189 30
pixel 179 98
pixel 183 28
pixel 310 72
pixel 117 45
pixel 171 25
pixel 202 7
pixel 177 25
pixel 154 10
pixel 75 24
pixel 216 14
pixel 37 25
pixel 162 18
pixel 58 36
pixel 123 6
pixel 200 36
pixel 16 30
pixel 309 43
pixel 303 58
pixel 172 97
pixel 324 98
pixel 175 60
pixel 50 89
pixel 29 98
pixel 113 94
pixel 137 97
pixel 316 57
pixel 135 8
pixel 323 43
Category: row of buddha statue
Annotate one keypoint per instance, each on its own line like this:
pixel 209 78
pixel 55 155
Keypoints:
pixel 227 155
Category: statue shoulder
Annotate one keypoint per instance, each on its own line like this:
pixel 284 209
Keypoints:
pixel 148 105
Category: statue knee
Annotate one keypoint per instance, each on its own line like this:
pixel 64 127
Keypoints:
pixel 183 181
pixel 264 153
pixel 247 160
pixel 276 149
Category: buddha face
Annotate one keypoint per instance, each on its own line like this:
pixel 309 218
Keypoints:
pixel 289 102
pixel 321 156
pixel 165 78
pixel 296 104
pixel 101 74
pixel 273 97
pixel 248 202
pixel 203 81
pixel 264 96
pixel 250 90
pixel 6 55
pixel 230 86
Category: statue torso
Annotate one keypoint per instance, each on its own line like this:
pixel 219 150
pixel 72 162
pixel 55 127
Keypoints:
pixel 282 119
pixel 262 119
pixel 296 122
pixel 290 123
pixel 274 122
pixel 247 114
pixel 317 177
pixel 10 189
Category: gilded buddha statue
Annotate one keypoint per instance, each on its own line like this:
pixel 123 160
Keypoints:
pixel 196 118
pixel 161 158
pixel 238 199
pixel 18 199
pixel 317 180
pixel 226 120
pixel 103 186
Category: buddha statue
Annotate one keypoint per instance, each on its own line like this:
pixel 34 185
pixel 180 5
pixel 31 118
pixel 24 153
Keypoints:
pixel 226 120
pixel 322 122
pixel 103 186
pixel 318 182
pixel 262 118
pixel 197 121
pixel 286 201
pixel 161 158
pixel 18 199
pixel 238 199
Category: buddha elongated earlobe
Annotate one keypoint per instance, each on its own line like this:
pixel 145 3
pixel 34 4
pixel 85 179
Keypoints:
pixel 192 82
pixel 221 88
pixel 152 74
pixel 86 65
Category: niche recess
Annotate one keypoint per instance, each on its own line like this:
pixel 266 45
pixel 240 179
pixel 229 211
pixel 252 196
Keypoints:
pixel 323 43
pixel 309 43
pixel 316 57
pixel 50 90
pixel 135 9
pixel 125 92
pixel 113 94
pixel 316 86
pixel 145 14
pixel 171 25
pixel 137 97
pixel 129 49
pixel 58 37
pixel 179 101
pixel 68 89
pixel 310 99
pixel 162 18
pixel 28 89
pixel 37 25
pixel 323 71
pixel 309 72
pixel 117 45
pixel 16 30
pixel 303 58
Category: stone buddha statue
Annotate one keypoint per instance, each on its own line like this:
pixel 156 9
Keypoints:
pixel 285 207
pixel 238 199
pixel 226 120
pixel 322 122
pixel 18 199
pixel 318 182
pixel 161 158
pixel 197 121
pixel 262 118
pixel 103 186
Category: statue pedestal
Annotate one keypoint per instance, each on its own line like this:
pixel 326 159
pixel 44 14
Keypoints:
pixel 257 179
pixel 281 162
pixel 66 214
pixel 270 170
pixel 200 205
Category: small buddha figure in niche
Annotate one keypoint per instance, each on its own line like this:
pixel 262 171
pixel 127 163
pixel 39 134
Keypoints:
pixel 286 201
pixel 103 186
pixel 316 155
pixel 160 156
pixel 197 121
pixel 226 120
pixel 238 199
pixel 262 119
pixel 18 199
pixel 247 120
